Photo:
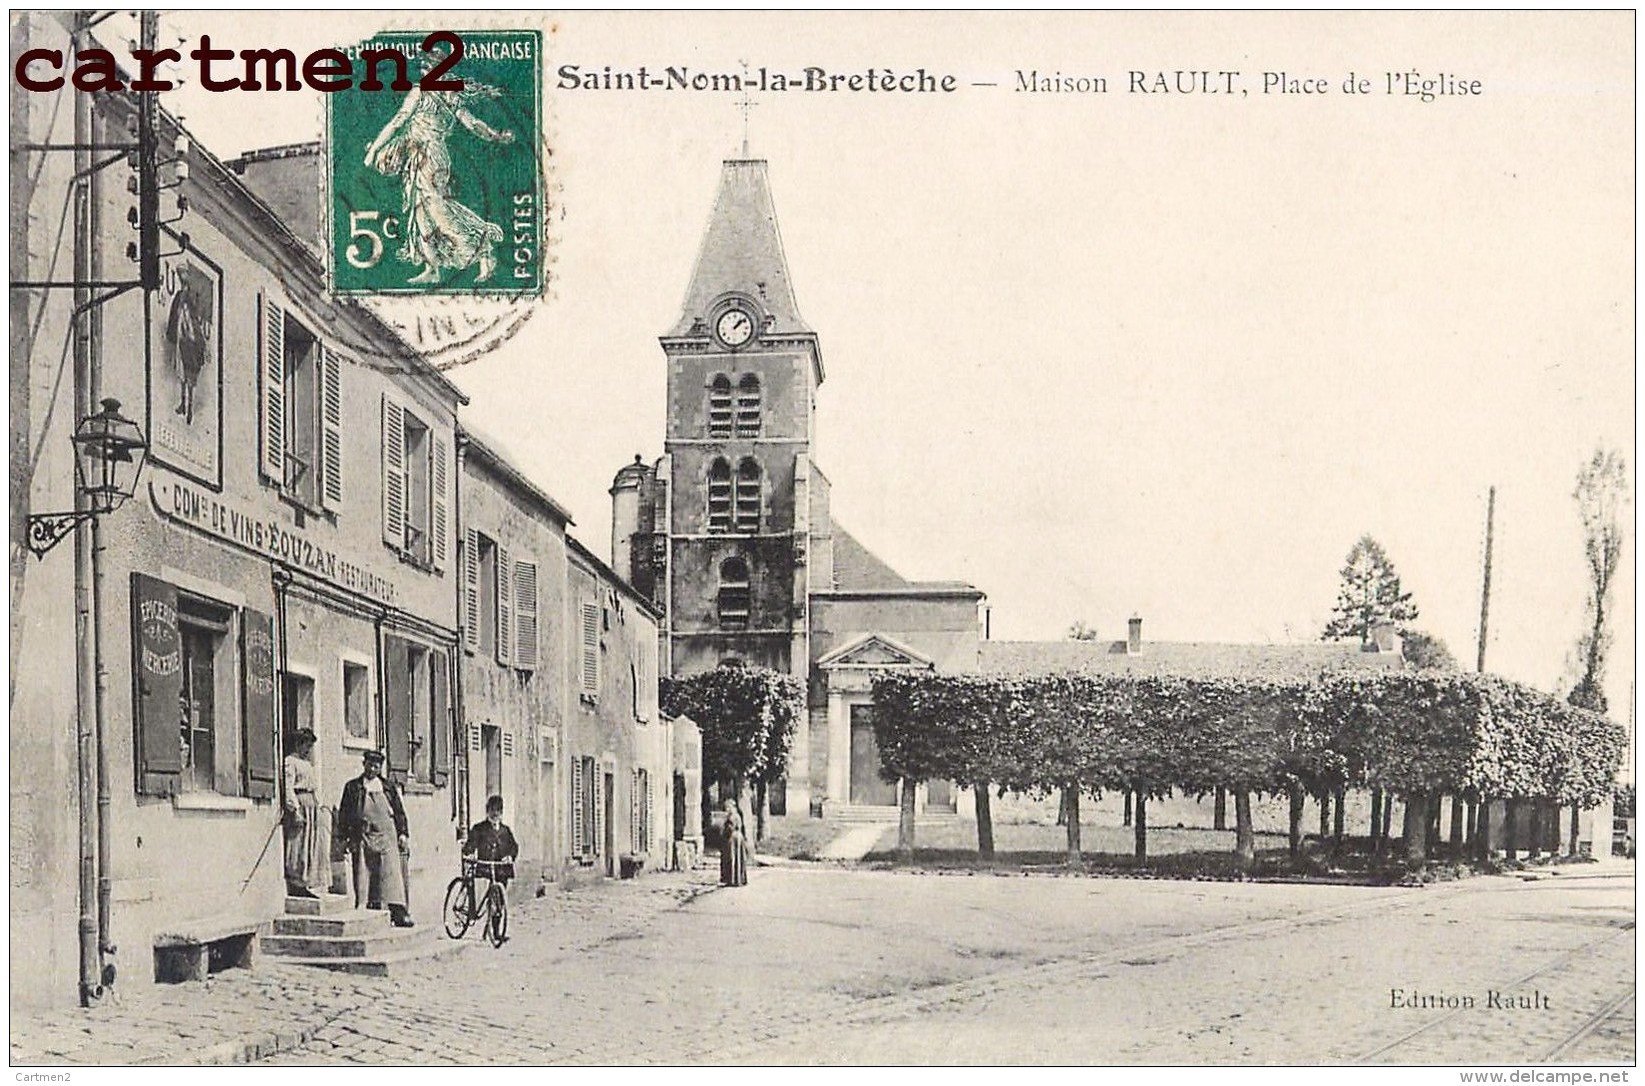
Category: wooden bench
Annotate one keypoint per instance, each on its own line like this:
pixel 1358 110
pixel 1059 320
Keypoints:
pixel 195 949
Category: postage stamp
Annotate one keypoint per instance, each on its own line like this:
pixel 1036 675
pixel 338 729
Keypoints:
pixel 434 174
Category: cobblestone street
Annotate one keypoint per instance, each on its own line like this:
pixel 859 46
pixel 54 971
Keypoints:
pixel 818 964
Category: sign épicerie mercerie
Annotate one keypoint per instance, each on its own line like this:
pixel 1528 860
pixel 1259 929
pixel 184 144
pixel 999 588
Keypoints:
pixel 265 537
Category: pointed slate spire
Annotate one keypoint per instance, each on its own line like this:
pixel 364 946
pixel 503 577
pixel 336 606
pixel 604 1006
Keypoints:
pixel 742 250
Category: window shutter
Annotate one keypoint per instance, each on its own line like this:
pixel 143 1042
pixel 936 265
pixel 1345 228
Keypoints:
pixel 394 474
pixel 272 402
pixel 646 825
pixel 260 721
pixel 473 737
pixel 578 815
pixel 158 669
pixel 508 744
pixel 471 590
pixel 525 614
pixel 598 798
pixel 634 810
pixel 439 501
pixel 331 429
pixel 397 707
pixel 505 607
pixel 591 648
pixel 441 723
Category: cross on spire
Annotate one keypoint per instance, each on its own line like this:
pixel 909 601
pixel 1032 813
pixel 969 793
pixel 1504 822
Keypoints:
pixel 745 105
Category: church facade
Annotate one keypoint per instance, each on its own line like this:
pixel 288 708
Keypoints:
pixel 729 533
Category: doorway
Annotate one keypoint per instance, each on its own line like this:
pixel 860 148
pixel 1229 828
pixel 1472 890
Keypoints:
pixel 867 789
pixel 610 807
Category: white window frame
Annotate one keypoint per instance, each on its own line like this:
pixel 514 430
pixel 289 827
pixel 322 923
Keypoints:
pixel 357 659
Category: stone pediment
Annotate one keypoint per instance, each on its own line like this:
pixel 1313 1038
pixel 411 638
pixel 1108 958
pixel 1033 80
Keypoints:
pixel 874 651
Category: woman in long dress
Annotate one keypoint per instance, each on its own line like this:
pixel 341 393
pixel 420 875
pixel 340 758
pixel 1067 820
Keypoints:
pixel 733 848
pixel 439 231
pixel 303 860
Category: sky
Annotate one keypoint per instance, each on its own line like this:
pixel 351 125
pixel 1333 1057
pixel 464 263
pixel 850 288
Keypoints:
pixel 1103 354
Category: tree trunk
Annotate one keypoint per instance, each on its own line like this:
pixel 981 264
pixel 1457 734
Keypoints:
pixel 1576 826
pixel 1482 828
pixel 1062 808
pixel 1387 816
pixel 1533 847
pixel 1376 821
pixel 1245 841
pixel 1339 818
pixel 985 819
pixel 1416 828
pixel 1434 801
pixel 1294 794
pixel 1127 821
pixel 762 810
pixel 1219 810
pixel 1142 827
pixel 1510 830
pixel 1324 801
pixel 905 821
pixel 1071 806
pixel 1456 826
pixel 1470 832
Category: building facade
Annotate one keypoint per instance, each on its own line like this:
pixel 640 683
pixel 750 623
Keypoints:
pixel 276 569
pixel 730 533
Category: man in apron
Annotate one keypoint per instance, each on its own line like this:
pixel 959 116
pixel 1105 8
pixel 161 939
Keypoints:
pixel 372 821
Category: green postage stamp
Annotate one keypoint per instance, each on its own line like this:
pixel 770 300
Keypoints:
pixel 432 189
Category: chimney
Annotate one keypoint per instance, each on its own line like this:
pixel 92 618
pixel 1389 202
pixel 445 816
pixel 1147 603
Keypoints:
pixel 1133 637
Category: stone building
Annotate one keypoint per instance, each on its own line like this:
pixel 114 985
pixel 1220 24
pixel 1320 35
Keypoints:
pixel 276 570
pixel 514 688
pixel 730 533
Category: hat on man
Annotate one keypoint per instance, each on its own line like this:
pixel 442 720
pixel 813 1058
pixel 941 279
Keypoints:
pixel 373 757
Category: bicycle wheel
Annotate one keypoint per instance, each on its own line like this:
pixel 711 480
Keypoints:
pixel 459 908
pixel 496 915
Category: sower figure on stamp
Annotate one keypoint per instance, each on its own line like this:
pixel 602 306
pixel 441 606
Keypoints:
pixel 304 862
pixel 440 232
pixel 372 821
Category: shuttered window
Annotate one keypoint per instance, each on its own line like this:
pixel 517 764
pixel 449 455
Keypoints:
pixel 734 594
pixel 394 474
pixel 719 496
pixel 261 726
pixel 525 613
pixel 158 667
pixel 748 406
pixel 579 808
pixel 439 498
pixel 331 430
pixel 442 722
pixel 505 607
pixel 719 406
pixel 748 496
pixel 596 800
pixel 471 590
pixel 272 391
pixel 591 649
pixel 634 806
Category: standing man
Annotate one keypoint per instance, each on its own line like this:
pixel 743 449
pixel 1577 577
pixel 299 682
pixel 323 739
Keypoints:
pixel 301 808
pixel 372 822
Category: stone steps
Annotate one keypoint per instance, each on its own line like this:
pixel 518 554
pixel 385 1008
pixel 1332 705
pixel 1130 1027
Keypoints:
pixel 328 932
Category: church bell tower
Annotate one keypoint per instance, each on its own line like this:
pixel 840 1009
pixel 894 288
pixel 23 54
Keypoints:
pixel 734 486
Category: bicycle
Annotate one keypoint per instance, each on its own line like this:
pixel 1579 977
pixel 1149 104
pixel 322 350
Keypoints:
pixel 461 908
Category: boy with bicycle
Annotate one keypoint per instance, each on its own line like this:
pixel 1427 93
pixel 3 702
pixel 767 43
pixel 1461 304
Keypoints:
pixel 493 842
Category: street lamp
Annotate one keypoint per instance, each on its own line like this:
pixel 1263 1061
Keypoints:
pixel 109 450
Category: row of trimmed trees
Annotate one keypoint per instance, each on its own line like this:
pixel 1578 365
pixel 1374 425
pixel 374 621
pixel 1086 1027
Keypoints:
pixel 748 717
pixel 1418 735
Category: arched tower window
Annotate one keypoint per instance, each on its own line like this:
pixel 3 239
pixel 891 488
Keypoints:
pixel 748 496
pixel 733 597
pixel 719 406
pixel 748 406
pixel 719 495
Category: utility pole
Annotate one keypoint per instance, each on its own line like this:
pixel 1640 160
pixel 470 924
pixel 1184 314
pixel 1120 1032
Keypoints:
pixel 1485 590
